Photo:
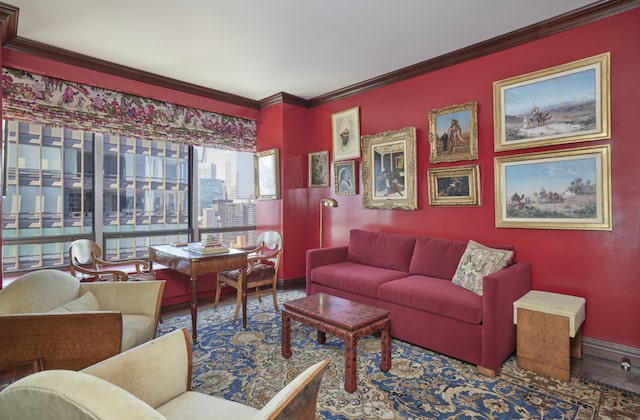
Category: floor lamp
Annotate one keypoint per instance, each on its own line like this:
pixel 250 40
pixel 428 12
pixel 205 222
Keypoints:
pixel 328 202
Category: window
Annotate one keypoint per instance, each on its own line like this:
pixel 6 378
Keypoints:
pixel 57 177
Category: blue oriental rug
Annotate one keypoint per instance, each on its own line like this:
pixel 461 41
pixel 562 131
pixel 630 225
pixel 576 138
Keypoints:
pixel 246 365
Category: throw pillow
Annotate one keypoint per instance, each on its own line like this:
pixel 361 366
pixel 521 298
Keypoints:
pixel 84 303
pixel 478 261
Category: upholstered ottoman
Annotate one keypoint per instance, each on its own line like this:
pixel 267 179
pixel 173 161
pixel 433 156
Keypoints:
pixel 548 332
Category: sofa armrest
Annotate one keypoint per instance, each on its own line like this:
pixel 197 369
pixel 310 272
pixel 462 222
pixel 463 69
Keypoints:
pixel 499 291
pixel 63 394
pixel 155 372
pixel 63 341
pixel 130 297
pixel 324 256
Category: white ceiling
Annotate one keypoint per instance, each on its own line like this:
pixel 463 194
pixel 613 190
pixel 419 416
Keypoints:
pixel 256 48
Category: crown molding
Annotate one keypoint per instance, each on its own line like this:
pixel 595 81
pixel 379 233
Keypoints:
pixel 591 13
pixel 283 98
pixel 8 22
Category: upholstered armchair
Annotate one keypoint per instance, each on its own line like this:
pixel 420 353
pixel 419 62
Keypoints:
pixel 51 316
pixel 151 381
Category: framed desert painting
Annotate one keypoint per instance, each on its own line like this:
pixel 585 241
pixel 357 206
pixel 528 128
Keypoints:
pixel 453 133
pixel 566 189
pixel 346 177
pixel 319 169
pixel 563 104
pixel 345 128
pixel 267 174
pixel 389 170
pixel 456 186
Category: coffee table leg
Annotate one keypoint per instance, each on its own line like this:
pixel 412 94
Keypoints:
pixel 286 335
pixel 350 363
pixel 385 358
pixel 322 337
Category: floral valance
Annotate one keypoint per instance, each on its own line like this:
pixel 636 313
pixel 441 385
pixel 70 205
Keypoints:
pixel 46 100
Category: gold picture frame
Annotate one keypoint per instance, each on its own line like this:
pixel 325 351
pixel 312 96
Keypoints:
pixel 319 169
pixel 455 186
pixel 387 186
pixel 565 189
pixel 345 177
pixel 267 174
pixel 345 129
pixel 563 104
pixel 453 133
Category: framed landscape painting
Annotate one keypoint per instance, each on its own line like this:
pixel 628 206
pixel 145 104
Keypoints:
pixel 346 178
pixel 566 189
pixel 456 186
pixel 319 169
pixel 345 128
pixel 267 174
pixel 563 104
pixel 453 133
pixel 389 170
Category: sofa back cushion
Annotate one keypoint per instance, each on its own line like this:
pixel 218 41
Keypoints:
pixel 385 250
pixel 436 257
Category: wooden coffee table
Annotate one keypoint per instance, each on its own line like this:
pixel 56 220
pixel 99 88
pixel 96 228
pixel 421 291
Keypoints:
pixel 347 320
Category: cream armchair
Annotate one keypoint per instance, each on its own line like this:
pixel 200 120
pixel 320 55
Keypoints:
pixel 49 315
pixel 151 381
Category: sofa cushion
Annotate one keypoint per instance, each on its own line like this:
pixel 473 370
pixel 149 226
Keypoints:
pixel 385 250
pixel 478 261
pixel 438 296
pixel 355 278
pixel 84 303
pixel 436 257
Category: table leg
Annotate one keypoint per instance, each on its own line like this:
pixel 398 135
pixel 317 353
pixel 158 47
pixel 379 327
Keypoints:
pixel 350 364
pixel 322 337
pixel 286 335
pixel 385 359
pixel 194 308
pixel 243 281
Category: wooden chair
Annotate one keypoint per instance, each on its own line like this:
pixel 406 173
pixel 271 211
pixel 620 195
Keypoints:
pixel 86 264
pixel 262 270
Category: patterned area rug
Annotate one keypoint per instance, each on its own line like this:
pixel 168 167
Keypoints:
pixel 246 365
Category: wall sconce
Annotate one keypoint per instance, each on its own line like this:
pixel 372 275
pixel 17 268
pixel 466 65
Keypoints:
pixel 328 202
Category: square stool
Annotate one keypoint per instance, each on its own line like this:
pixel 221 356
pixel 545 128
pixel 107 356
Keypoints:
pixel 548 332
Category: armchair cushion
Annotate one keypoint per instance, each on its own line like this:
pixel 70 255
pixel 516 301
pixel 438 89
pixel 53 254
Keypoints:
pixel 84 303
pixel 194 405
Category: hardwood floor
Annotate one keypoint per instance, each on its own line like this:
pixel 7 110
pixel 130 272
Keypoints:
pixel 589 367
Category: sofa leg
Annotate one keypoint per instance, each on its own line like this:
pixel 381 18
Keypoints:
pixel 485 371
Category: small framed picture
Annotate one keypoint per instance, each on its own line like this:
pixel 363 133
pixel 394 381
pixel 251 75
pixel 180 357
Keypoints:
pixel 456 186
pixel 319 169
pixel 267 174
pixel 453 133
pixel 346 134
pixel 345 177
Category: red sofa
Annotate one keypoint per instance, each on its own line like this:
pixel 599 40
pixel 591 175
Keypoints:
pixel 410 275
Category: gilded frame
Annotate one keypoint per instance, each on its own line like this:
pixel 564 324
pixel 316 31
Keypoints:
pixel 459 127
pixel 345 129
pixel 387 186
pixel 455 186
pixel 345 177
pixel 542 108
pixel 565 189
pixel 319 169
pixel 267 174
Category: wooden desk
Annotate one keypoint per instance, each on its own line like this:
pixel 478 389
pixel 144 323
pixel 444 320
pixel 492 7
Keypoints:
pixel 192 264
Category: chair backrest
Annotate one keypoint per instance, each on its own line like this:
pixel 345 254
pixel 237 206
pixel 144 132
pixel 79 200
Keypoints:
pixel 38 291
pixel 271 239
pixel 298 399
pixel 83 253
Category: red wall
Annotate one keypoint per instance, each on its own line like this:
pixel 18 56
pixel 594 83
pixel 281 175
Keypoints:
pixel 601 266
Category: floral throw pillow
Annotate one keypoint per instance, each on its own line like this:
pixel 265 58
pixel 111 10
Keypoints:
pixel 478 261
